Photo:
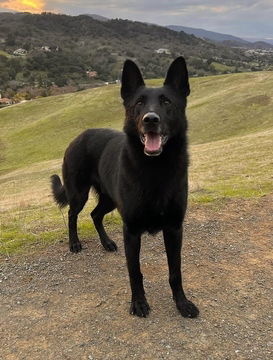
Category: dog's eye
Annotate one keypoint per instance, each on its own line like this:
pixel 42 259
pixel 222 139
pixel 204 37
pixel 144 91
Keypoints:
pixel 140 102
pixel 164 100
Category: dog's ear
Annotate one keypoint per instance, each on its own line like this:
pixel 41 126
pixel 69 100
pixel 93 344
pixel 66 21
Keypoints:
pixel 131 79
pixel 177 76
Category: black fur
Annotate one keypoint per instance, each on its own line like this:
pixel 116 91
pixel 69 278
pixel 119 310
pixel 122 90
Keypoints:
pixel 142 172
pixel 58 191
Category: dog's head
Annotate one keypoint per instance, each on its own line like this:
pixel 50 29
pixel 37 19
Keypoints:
pixel 155 115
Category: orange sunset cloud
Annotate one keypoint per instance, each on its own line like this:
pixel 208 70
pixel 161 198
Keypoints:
pixel 33 6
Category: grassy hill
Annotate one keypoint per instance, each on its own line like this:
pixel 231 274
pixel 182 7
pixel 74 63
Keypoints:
pixel 231 136
pixel 41 129
pixel 219 107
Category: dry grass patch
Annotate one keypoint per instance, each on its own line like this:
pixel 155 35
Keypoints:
pixel 240 166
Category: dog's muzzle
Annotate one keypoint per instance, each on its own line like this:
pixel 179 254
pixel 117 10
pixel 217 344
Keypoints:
pixel 152 136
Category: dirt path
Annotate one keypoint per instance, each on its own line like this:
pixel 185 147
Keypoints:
pixel 57 305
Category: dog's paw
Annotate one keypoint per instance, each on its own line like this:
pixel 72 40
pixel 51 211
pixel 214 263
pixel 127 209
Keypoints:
pixel 187 309
pixel 110 245
pixel 75 247
pixel 140 308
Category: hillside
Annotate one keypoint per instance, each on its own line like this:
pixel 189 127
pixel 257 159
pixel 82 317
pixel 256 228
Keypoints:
pixel 80 52
pixel 230 133
pixel 238 109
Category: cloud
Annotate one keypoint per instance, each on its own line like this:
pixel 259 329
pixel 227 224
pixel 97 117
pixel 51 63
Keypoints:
pixel 35 6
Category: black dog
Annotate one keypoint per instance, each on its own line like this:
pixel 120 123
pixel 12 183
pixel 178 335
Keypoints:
pixel 142 172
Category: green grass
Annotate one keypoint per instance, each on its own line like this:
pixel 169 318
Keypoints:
pixel 230 105
pixel 38 225
pixel 41 129
pixel 234 167
pixel 3 53
pixel 219 107
pixel 221 67
pixel 230 131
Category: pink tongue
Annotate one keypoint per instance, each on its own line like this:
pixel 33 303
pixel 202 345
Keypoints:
pixel 152 142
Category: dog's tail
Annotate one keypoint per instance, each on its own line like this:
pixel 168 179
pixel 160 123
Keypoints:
pixel 58 191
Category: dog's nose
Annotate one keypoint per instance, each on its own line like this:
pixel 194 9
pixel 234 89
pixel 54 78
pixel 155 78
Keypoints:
pixel 151 118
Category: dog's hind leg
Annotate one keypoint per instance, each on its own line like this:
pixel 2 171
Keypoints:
pixel 76 204
pixel 105 205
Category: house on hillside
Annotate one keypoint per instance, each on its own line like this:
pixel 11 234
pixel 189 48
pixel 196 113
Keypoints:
pixel 20 52
pixel 46 48
pixel 163 51
pixel 5 102
pixel 91 74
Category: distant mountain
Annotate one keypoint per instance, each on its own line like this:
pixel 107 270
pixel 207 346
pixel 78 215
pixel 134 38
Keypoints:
pixel 262 45
pixel 205 34
pixel 254 39
pixel 226 39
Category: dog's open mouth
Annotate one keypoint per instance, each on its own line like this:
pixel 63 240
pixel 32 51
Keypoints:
pixel 153 143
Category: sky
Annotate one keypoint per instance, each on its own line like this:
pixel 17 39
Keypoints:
pixel 244 18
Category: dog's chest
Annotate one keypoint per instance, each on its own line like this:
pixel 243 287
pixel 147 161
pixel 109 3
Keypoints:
pixel 153 210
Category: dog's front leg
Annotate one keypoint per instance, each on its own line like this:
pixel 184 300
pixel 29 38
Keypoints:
pixel 132 243
pixel 173 245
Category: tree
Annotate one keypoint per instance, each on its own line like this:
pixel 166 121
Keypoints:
pixel 10 39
